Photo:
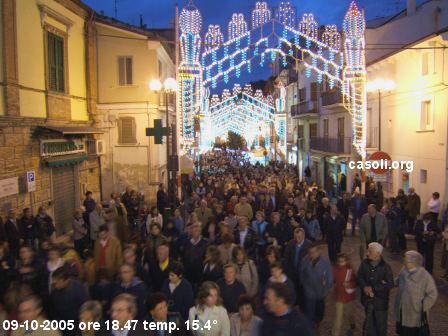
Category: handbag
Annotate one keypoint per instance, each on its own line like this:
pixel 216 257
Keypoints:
pixel 424 329
pixel 348 276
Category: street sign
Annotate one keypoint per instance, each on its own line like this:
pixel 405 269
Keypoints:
pixel 381 158
pixel 9 186
pixel 31 180
pixel 379 177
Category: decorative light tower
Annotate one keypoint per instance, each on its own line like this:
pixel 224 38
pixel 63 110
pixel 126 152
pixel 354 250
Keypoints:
pixel 354 75
pixel 190 73
pixel 280 120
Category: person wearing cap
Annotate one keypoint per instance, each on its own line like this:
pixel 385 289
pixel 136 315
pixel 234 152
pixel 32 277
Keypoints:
pixel 417 293
pixel 375 279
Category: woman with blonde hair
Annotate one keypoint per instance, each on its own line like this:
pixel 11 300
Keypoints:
pixel 207 310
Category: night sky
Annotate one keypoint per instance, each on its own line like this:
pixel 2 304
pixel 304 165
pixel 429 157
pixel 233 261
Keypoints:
pixel 159 13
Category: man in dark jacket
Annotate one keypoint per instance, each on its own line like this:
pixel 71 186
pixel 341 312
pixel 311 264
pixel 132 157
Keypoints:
pixel 295 250
pixel 245 236
pixel 278 231
pixel 131 284
pixel 282 319
pixel 67 297
pixel 413 208
pixel 123 309
pixel 358 207
pixel 13 233
pixel 193 255
pixel 343 205
pixel 162 199
pixel 375 280
pixel 322 213
pixel 394 218
pixel 335 225
pixel 159 269
pixel 158 313
pixel 426 231
pixel 230 288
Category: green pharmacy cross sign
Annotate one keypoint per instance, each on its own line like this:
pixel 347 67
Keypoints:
pixel 158 132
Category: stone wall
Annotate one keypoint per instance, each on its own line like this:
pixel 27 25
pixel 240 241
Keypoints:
pixel 20 152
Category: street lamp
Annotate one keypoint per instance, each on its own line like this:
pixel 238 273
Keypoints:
pixel 379 85
pixel 169 86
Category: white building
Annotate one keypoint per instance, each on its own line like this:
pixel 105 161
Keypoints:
pixel 407 48
pixel 413 123
pixel 128 58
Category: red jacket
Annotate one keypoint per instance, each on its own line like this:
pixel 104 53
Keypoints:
pixel 340 275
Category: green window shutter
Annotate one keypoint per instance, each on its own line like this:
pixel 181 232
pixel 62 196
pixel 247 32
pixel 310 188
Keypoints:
pixel 56 81
pixel 51 62
pixel 60 64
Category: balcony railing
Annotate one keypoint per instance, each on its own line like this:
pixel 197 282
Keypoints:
pixel 331 145
pixel 306 107
pixel 331 98
pixel 372 137
pixel 49 148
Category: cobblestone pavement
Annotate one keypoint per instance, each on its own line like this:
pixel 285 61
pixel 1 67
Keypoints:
pixel 438 317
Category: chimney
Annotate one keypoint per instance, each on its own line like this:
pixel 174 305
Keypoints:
pixel 411 7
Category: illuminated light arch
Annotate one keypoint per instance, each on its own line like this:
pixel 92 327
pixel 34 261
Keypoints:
pixel 261 14
pixel 340 60
pixel 287 14
pixel 332 37
pixel 237 26
pixel 308 26
pixel 247 114
pixel 213 37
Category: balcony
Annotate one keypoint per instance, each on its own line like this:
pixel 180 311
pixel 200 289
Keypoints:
pixel 332 99
pixel 307 108
pixel 372 137
pixel 331 145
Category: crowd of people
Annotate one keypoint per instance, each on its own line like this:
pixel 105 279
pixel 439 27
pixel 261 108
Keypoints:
pixel 241 253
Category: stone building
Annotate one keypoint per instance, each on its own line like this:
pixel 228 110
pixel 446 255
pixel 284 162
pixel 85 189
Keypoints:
pixel 48 147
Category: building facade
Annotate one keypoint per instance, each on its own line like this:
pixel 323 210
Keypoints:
pixel 128 59
pixel 47 107
pixel 413 121
pixel 410 121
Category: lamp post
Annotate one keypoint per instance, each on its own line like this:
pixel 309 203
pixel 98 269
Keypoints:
pixel 169 87
pixel 379 85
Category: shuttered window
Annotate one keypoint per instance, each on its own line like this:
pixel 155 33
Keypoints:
pixel 56 81
pixel 313 91
pixel 326 128
pixel 124 70
pixel 313 130
pixel 127 131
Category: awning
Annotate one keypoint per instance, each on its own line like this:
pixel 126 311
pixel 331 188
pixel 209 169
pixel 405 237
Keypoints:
pixel 65 160
pixel 74 130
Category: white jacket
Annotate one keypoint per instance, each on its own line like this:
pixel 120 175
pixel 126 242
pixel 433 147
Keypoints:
pixel 216 314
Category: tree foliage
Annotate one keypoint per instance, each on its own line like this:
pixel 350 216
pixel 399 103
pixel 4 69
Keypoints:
pixel 235 141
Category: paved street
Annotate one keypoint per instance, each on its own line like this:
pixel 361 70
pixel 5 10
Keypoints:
pixel 438 316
